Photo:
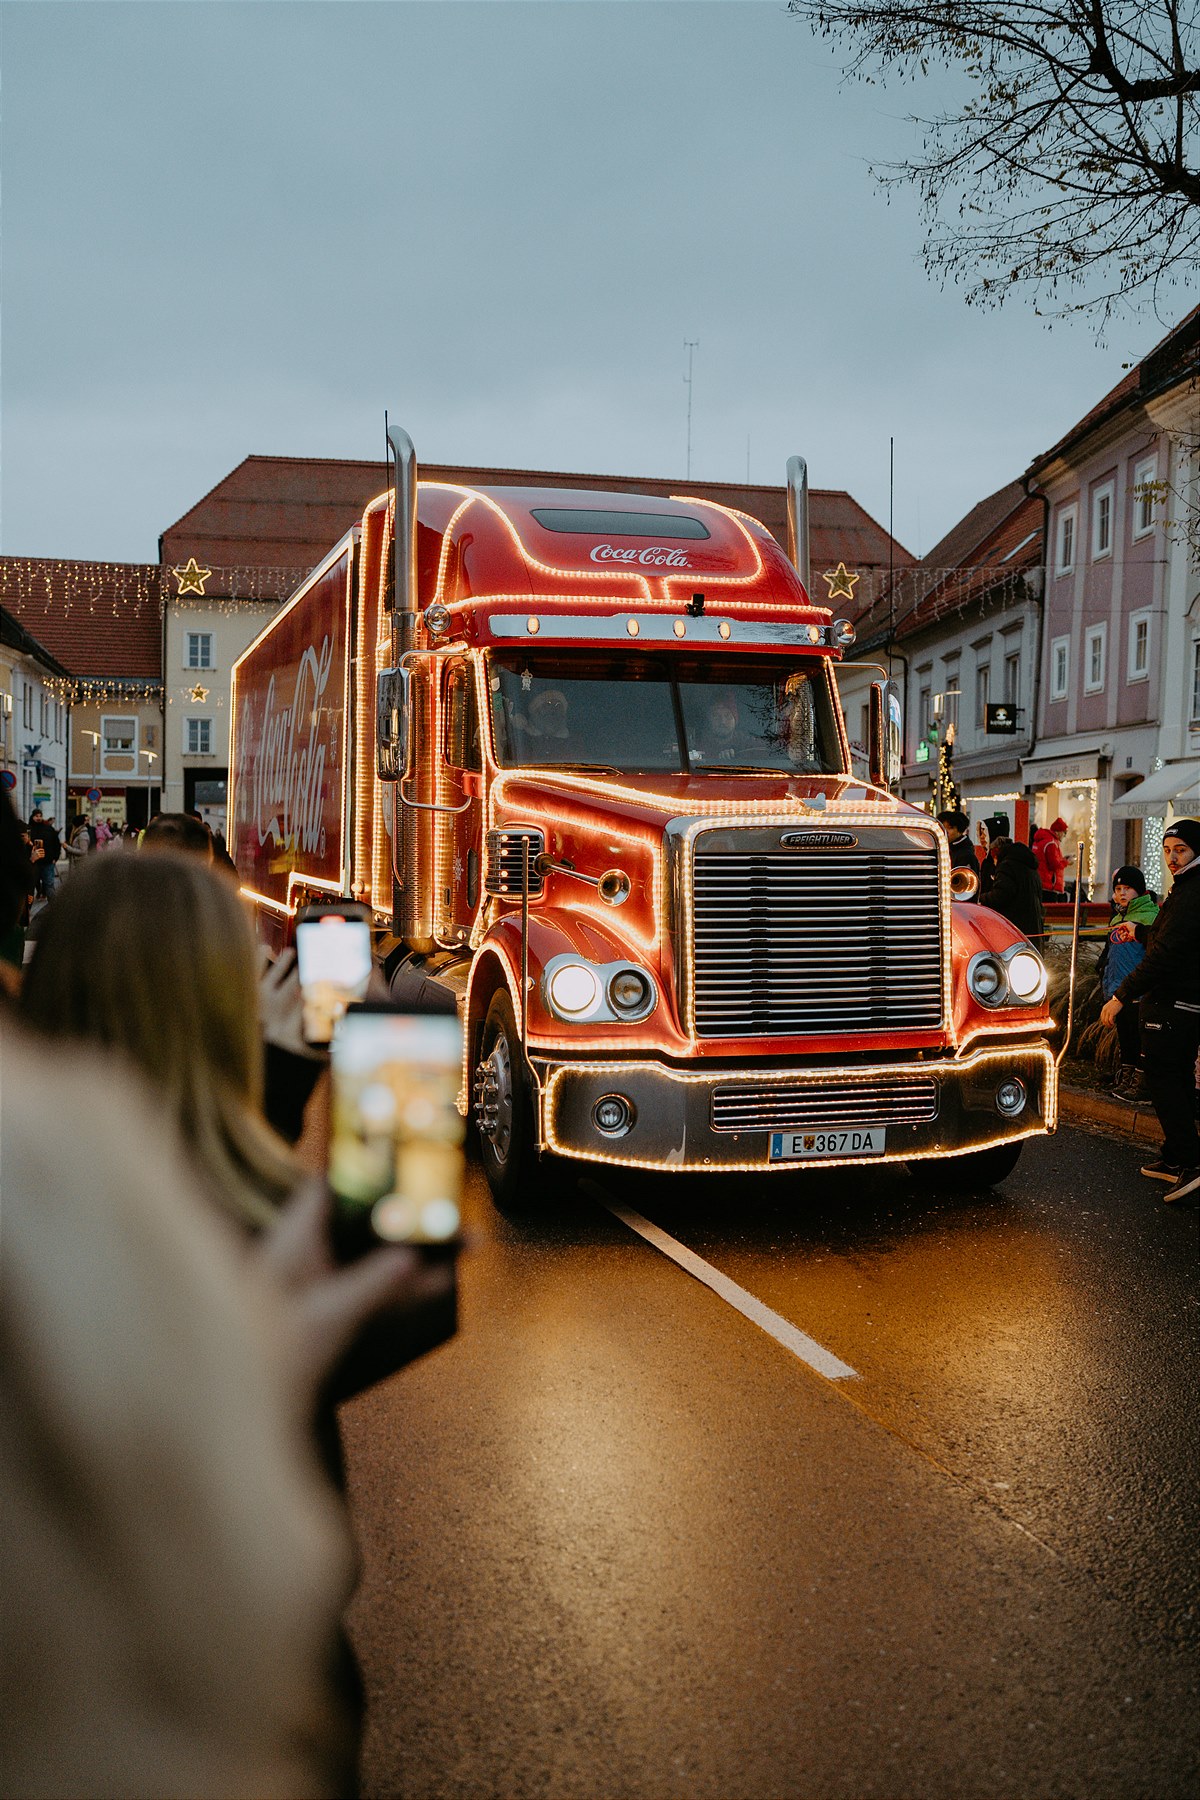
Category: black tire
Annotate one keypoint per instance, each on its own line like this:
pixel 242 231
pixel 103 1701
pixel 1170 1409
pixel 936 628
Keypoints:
pixel 977 1170
pixel 502 1110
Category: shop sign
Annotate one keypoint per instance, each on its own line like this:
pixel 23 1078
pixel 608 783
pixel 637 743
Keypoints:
pixel 1067 769
pixel 1000 719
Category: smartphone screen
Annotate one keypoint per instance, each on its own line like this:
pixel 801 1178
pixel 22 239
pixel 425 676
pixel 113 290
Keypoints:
pixel 396 1135
pixel 333 958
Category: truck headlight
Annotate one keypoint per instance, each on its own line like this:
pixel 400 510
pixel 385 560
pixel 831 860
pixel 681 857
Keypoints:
pixel 574 989
pixel 629 991
pixel 1026 976
pixel 985 978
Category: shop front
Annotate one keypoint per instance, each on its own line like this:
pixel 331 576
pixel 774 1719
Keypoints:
pixel 1072 788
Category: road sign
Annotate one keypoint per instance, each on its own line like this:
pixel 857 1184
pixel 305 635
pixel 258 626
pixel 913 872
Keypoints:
pixel 8 780
pixel 93 795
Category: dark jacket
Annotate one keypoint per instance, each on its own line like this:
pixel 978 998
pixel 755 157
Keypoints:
pixel 48 838
pixel 1016 892
pixel 1169 973
pixel 962 855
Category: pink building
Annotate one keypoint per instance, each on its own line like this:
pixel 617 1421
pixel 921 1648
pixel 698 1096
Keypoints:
pixel 1120 667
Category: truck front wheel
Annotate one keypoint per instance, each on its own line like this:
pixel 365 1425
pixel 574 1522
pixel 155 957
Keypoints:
pixel 503 1110
pixel 978 1169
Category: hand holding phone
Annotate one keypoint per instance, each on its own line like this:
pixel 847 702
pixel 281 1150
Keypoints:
pixel 395 1149
pixel 333 955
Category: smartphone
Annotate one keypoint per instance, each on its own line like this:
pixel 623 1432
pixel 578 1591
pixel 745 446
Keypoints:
pixel 333 961
pixel 396 1134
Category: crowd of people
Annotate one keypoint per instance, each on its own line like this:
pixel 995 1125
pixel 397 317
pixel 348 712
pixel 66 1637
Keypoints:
pixel 1149 967
pixel 175 1333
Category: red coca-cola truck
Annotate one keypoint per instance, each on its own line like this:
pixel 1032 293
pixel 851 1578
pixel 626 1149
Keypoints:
pixel 582 755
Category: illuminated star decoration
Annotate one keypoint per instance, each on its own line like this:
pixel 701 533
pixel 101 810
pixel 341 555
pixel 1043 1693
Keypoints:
pixel 191 578
pixel 841 582
pixel 199 695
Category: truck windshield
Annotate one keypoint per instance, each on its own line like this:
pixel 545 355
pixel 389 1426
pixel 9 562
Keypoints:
pixel 662 713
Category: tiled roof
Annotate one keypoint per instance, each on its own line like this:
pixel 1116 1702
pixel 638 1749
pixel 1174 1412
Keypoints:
pixel 283 513
pixel 1174 358
pixel 998 539
pixel 97 619
pixel 14 634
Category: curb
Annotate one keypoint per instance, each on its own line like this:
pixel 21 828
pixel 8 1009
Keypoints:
pixel 1078 1107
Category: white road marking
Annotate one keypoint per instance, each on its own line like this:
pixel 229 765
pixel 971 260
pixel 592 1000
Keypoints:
pixel 781 1329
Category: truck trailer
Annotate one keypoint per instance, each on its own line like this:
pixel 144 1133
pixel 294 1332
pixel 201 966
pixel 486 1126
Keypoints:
pixel 582 755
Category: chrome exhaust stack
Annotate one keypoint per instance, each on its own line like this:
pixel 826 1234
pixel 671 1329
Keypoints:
pixel 404 541
pixel 797 517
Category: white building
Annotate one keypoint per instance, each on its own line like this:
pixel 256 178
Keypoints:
pixel 34 723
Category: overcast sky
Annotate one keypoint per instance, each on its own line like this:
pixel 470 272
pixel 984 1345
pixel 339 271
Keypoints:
pixel 248 228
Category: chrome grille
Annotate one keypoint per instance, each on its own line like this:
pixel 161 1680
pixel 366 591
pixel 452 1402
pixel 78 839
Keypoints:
pixel 805 942
pixel 505 860
pixel 800 1106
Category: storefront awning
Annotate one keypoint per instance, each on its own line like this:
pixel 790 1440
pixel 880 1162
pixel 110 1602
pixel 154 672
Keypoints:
pixel 1178 783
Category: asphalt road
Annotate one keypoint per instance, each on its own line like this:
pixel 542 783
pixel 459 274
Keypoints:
pixel 619 1541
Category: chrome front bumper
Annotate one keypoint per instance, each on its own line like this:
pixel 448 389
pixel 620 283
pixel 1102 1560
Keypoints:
pixel 716 1119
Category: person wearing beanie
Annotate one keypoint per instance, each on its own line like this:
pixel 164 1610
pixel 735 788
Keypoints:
pixel 1134 911
pixel 1167 982
pixel 1052 864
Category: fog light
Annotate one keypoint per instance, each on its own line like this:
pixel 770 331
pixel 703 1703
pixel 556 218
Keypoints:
pixel 613 1115
pixel 1010 1097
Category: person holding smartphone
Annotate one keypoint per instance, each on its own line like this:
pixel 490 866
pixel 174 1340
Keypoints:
pixel 153 956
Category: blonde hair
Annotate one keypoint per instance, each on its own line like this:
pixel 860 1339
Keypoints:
pixel 152 955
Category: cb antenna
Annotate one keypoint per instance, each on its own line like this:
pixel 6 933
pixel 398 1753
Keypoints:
pixel 691 345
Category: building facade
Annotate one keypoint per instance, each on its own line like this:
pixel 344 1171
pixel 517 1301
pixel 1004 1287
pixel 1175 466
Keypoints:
pixel 1120 671
pixel 960 635
pixel 103 624
pixel 34 723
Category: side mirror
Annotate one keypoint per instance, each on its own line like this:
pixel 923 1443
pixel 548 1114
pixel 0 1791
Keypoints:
pixel 887 734
pixel 391 724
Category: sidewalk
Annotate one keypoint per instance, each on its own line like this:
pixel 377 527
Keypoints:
pixel 1082 1101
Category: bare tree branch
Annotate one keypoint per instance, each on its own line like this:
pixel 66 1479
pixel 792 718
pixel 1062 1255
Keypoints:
pixel 1075 156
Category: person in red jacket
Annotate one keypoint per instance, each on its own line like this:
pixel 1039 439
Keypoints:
pixel 1047 847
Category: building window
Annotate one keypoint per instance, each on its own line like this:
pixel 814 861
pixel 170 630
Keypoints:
pixel 1012 678
pixel 1060 667
pixel 1065 558
pixel 120 736
pixel 199 737
pixel 27 706
pixel 1144 477
pixel 1196 681
pixel 924 713
pixel 1102 517
pixel 1093 659
pixel 982 682
pixel 199 650
pixel 1139 647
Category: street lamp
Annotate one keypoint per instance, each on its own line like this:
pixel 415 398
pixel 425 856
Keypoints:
pixel 95 737
pixel 151 757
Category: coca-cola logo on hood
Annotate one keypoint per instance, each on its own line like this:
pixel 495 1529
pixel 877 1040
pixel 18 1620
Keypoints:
pixel 654 556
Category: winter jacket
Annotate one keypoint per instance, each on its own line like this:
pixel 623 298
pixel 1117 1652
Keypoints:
pixel 1050 860
pixel 962 855
pixel 1169 973
pixel 1119 959
pixel 1016 893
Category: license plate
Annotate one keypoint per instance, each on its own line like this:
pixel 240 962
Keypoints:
pixel 800 1146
